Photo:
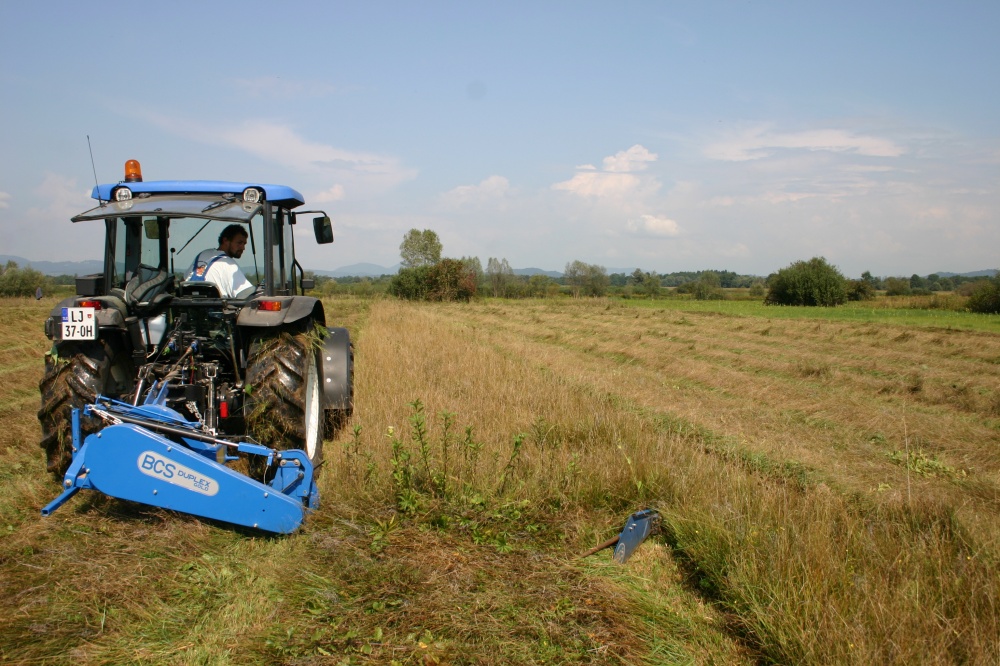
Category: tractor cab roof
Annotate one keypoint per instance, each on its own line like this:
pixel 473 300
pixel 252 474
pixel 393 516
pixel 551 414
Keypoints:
pixel 281 195
pixel 227 207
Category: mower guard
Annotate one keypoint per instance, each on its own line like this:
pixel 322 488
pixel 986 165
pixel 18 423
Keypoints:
pixel 132 461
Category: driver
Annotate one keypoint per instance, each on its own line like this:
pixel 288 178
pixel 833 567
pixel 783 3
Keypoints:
pixel 219 266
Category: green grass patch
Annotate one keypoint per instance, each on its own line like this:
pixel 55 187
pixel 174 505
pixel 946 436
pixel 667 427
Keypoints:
pixel 853 312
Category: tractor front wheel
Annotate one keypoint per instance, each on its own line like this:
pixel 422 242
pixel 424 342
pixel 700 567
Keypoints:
pixel 284 405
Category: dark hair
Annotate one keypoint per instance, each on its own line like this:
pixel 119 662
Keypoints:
pixel 233 230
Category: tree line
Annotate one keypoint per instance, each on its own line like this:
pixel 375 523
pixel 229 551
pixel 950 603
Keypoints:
pixel 426 276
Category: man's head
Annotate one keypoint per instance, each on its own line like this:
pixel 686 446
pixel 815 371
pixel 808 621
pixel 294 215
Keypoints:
pixel 233 240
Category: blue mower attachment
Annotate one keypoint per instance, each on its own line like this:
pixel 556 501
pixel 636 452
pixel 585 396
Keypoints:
pixel 151 454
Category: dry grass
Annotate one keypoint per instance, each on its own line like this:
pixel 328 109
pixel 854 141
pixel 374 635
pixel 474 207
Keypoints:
pixel 829 493
pixel 792 467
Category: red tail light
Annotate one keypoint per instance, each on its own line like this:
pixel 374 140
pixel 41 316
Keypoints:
pixel 89 304
pixel 269 306
pixel 224 410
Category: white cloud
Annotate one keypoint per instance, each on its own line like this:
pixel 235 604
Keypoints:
pixel 617 180
pixel 63 198
pixel 652 225
pixel 335 193
pixel 52 236
pixel 274 86
pixel 600 185
pixel 635 158
pixel 739 250
pixel 489 191
pixel 760 142
pixel 280 144
pixel 4 200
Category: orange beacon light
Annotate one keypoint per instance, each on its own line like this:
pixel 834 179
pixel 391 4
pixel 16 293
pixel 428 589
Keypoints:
pixel 133 172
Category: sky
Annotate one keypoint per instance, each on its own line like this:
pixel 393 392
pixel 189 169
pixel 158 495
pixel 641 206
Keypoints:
pixel 666 136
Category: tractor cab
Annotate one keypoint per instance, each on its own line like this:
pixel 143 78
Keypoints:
pixel 155 230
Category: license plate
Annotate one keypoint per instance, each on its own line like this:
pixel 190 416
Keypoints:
pixel 79 324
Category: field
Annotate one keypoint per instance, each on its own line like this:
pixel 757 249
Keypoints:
pixel 829 482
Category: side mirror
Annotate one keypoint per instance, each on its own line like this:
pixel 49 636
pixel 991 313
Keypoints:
pixel 323 229
pixel 308 283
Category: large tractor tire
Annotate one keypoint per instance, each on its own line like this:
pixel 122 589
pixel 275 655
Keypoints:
pixel 75 374
pixel 284 405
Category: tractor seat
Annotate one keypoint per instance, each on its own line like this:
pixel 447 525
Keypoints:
pixel 147 291
pixel 199 289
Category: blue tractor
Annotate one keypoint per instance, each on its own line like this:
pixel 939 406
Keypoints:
pixel 164 389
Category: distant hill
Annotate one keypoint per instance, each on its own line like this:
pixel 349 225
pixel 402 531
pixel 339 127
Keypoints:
pixel 360 270
pixel 537 271
pixel 57 267
pixel 989 272
pixel 374 270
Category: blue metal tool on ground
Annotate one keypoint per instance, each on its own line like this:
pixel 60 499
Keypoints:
pixel 640 525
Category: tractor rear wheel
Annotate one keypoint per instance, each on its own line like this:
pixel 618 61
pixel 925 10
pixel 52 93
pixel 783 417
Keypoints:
pixel 75 374
pixel 284 406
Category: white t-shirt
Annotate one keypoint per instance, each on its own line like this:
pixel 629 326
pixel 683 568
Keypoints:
pixel 223 272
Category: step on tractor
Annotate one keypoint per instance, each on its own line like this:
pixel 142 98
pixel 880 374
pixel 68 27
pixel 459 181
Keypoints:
pixel 170 389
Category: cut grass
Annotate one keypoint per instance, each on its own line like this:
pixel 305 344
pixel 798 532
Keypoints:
pixel 525 433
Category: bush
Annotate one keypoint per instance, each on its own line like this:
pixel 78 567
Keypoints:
pixel 813 282
pixel 897 287
pixel 410 283
pixel 586 279
pixel 969 288
pixel 860 290
pixel 447 280
pixel 708 287
pixel 985 299
pixel 21 282
pixel 451 280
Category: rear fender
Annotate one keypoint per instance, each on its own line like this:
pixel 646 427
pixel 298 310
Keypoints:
pixel 110 316
pixel 294 309
pixel 336 365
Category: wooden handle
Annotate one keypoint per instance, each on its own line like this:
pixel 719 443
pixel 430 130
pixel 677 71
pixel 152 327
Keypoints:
pixel 607 544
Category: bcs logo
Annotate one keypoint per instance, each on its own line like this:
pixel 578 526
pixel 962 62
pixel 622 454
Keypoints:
pixel 154 465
